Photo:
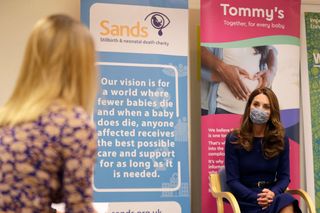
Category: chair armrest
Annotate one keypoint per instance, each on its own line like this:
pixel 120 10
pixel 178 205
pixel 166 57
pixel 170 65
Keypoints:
pixel 231 199
pixel 215 186
pixel 305 197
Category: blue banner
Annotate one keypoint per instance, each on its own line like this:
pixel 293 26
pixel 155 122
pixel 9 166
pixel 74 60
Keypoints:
pixel 141 110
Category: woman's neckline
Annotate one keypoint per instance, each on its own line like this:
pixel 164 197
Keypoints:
pixel 257 137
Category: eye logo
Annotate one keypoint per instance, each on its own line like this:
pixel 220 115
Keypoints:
pixel 158 21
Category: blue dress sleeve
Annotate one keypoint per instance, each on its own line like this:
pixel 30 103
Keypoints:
pixel 283 170
pixel 233 174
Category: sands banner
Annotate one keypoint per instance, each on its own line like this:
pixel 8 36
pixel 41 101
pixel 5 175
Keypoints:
pixel 256 43
pixel 141 110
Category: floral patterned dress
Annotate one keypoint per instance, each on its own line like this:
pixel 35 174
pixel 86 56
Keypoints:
pixel 49 160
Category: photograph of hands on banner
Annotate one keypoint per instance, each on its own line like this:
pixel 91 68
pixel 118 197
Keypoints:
pixel 229 75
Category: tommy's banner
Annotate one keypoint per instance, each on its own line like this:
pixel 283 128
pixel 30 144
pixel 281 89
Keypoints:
pixel 246 44
pixel 141 108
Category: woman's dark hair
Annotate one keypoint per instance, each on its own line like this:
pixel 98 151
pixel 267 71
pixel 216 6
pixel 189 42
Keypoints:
pixel 273 141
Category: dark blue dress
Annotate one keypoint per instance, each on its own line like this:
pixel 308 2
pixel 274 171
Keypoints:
pixel 244 169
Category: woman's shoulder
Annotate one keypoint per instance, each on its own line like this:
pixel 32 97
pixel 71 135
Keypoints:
pixel 66 115
pixel 233 135
pixel 286 140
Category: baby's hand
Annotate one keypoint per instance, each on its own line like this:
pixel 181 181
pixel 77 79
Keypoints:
pixel 261 77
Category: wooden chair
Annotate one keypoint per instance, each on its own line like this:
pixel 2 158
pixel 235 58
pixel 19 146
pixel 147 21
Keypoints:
pixel 220 191
pixel 305 196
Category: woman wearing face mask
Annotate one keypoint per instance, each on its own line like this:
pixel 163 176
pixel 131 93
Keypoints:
pixel 257 158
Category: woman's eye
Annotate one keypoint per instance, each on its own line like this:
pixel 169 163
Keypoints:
pixel 267 107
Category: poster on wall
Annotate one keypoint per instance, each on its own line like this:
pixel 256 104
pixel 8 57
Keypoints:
pixel 141 110
pixel 310 84
pixel 246 45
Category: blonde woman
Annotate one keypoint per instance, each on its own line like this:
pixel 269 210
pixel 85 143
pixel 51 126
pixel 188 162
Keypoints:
pixel 47 139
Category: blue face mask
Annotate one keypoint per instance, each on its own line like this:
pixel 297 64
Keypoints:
pixel 258 116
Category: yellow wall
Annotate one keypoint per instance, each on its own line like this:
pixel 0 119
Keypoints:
pixel 17 18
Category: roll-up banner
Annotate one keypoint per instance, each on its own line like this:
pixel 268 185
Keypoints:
pixel 261 39
pixel 310 66
pixel 141 112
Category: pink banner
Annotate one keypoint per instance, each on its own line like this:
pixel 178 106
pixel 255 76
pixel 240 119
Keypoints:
pixel 267 35
pixel 213 132
pixel 239 20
